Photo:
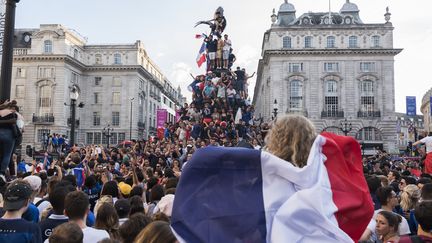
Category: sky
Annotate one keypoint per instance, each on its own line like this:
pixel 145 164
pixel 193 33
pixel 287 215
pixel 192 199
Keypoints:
pixel 167 29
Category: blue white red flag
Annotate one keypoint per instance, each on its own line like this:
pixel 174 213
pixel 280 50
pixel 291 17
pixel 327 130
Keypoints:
pixel 199 36
pixel 245 195
pixel 201 58
pixel 79 174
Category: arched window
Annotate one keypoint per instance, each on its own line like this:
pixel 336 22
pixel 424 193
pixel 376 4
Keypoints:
pixel 369 134
pixel 376 41
pixel 335 130
pixel 286 42
pixel 296 95
pixel 45 103
pixel 117 58
pixel 75 53
pixel 367 99
pixel 48 46
pixel 331 42
pixel 352 42
pixel 308 41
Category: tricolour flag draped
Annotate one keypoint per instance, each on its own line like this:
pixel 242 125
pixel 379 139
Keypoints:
pixel 201 57
pixel 244 195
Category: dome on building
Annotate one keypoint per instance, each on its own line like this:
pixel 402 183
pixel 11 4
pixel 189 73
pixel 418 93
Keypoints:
pixel 349 7
pixel 287 7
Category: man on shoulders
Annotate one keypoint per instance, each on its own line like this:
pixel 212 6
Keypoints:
pixel 12 227
pixel 428 161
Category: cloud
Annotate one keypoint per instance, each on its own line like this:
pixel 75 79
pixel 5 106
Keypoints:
pixel 160 54
pixel 180 75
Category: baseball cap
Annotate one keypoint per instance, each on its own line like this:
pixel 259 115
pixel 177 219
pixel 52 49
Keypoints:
pixel 16 195
pixel 125 189
pixel 35 182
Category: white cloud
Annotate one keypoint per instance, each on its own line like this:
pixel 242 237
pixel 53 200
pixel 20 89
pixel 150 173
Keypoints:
pixel 180 75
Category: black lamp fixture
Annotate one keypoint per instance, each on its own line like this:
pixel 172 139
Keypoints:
pixel 345 126
pixel 73 95
pixel 106 132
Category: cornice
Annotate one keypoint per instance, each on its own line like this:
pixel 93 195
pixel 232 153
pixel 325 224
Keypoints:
pixel 334 52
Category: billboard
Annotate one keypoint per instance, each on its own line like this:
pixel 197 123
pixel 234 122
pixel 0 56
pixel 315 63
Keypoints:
pixel 161 117
pixel 411 109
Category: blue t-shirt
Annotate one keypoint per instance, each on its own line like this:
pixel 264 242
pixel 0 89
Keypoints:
pixel 48 225
pixel 19 230
pixel 32 214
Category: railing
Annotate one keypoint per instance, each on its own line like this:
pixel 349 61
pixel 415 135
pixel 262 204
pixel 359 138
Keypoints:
pixel 43 119
pixel 364 114
pixel 20 51
pixel 329 114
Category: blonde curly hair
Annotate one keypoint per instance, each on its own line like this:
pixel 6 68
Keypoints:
pixel 410 197
pixel 291 139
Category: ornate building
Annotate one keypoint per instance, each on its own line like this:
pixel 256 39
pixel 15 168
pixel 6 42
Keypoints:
pixel 112 80
pixel 329 67
pixel 426 110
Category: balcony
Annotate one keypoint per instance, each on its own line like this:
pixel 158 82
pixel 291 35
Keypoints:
pixel 368 114
pixel 20 51
pixel 43 119
pixel 332 114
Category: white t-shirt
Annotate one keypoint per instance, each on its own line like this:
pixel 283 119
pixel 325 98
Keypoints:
pixel 92 235
pixel 428 142
pixel 403 226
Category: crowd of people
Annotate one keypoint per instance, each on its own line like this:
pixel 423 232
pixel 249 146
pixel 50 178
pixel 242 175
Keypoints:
pixel 126 194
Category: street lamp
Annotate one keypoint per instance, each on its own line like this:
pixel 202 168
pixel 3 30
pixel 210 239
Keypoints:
pixel 130 125
pixel 275 109
pixel 7 49
pixel 106 131
pixel 345 127
pixel 73 95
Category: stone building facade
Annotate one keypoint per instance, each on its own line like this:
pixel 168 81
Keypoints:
pixel 112 79
pixel 408 129
pixel 426 110
pixel 330 67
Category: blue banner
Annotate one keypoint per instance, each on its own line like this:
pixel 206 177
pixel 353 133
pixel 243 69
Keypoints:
pixel 411 109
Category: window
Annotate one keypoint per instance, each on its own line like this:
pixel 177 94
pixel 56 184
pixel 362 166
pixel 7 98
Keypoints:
pixel 116 98
pixel 97 138
pixel 352 43
pixel 331 67
pixel 331 88
pixel 21 73
pixel 97 81
pixel 369 134
pixel 96 118
pixel 331 42
pixel 295 67
pixel 96 98
pixel 74 78
pixel 48 46
pixel 296 95
pixel 98 59
pixel 117 58
pixel 286 42
pixel 331 106
pixel 113 138
pixel 121 137
pixel 367 66
pixel 46 72
pixel 375 41
pixel 308 42
pixel 115 118
pixel 89 138
pixel 116 81
pixel 19 91
pixel 367 88
pixel 75 53
pixel 45 100
pixel 367 104
pixel 41 133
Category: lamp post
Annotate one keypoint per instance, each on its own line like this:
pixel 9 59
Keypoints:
pixel 106 131
pixel 130 125
pixel 7 50
pixel 275 110
pixel 345 126
pixel 74 94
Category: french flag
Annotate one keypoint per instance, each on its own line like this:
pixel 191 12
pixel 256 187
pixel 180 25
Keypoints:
pixel 201 57
pixel 245 195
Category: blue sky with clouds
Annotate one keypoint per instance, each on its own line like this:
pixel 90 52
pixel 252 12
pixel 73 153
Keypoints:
pixel 166 28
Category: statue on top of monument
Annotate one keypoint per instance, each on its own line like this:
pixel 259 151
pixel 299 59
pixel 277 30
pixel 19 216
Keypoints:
pixel 217 24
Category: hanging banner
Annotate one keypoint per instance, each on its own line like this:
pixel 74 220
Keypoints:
pixel 161 117
pixel 411 109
